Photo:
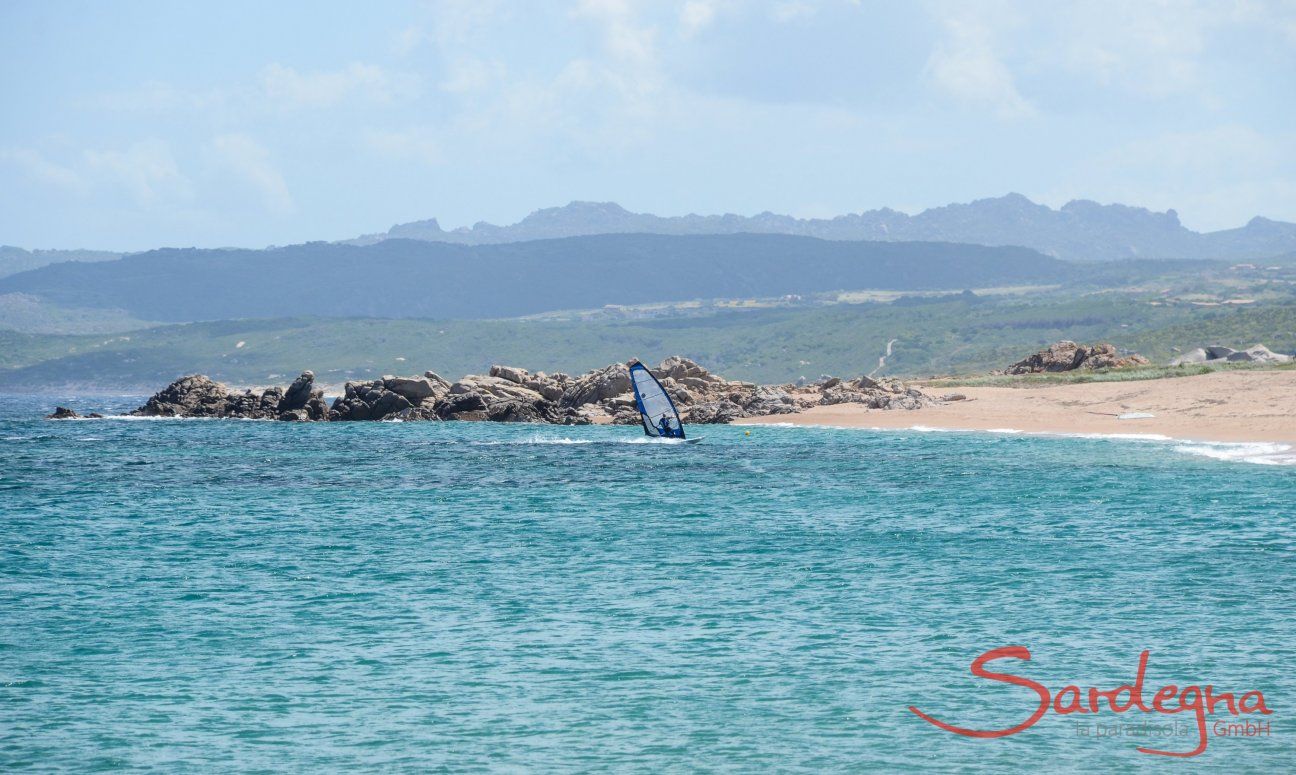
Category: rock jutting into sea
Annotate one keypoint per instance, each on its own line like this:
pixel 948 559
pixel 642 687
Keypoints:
pixel 200 396
pixel 509 394
pixel 63 413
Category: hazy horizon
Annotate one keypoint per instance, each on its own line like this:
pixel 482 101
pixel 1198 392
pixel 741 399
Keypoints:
pixel 131 127
pixel 479 222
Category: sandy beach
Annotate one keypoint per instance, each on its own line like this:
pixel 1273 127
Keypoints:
pixel 1236 406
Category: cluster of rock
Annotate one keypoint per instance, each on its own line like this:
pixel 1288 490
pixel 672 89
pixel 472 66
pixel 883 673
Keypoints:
pixel 508 394
pixel 63 413
pixel 1216 354
pixel 505 395
pixel 1069 356
pixel 706 398
pixel 200 396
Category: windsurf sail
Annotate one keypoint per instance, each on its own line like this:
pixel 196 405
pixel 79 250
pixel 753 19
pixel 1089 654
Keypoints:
pixel 656 410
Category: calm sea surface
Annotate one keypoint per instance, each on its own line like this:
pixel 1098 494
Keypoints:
pixel 204 595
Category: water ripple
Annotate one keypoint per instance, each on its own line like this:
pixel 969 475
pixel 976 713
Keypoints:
pixel 189 596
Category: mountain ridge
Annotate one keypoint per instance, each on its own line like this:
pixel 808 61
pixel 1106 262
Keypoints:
pixel 409 278
pixel 14 259
pixel 1080 230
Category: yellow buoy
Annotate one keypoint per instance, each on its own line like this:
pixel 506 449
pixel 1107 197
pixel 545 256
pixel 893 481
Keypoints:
pixel 747 432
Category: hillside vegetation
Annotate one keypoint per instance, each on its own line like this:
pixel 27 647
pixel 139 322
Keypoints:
pixel 405 278
pixel 933 336
pixel 14 260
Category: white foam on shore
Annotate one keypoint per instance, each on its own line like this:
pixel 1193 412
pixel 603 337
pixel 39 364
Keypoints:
pixel 1117 436
pixel 1020 432
pixel 1259 453
pixel 815 426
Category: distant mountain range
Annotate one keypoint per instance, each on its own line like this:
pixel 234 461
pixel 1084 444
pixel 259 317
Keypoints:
pixel 1080 230
pixel 14 260
pixel 402 278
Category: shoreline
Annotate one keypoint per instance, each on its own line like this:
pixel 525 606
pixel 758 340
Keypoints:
pixel 1223 407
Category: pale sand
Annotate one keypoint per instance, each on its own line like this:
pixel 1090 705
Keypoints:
pixel 1237 406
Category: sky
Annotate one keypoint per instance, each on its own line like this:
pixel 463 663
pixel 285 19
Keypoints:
pixel 135 125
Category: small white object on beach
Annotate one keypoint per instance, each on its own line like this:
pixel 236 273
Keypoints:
pixel 1135 416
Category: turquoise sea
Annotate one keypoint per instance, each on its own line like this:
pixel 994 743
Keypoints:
pixel 224 595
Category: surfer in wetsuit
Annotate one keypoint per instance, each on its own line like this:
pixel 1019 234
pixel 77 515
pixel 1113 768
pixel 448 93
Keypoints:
pixel 663 425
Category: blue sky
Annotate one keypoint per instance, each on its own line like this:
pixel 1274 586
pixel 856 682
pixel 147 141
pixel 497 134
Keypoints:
pixel 138 124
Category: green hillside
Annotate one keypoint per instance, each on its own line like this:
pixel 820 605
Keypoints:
pixel 963 334
pixel 409 279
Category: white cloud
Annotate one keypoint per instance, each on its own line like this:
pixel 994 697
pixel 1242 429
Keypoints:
pixel 696 15
pixel 419 144
pixel 157 96
pixel 1150 48
pixel 408 40
pixel 966 66
pixel 249 161
pixel 449 22
pixel 288 87
pixel 1153 49
pixel 469 74
pixel 791 10
pixel 41 169
pixel 276 87
pixel 628 81
pixel 146 169
pixel 458 20
pixel 594 93
pixel 624 37
pixel 1216 178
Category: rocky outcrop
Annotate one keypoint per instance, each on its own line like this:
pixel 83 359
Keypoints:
pixel 417 389
pixel 510 394
pixel 712 412
pixel 371 400
pixel 200 396
pixel 505 395
pixel 461 406
pixel 886 393
pixel 1257 354
pixel 1069 356
pixel 299 393
pixel 192 396
pixel 63 413
pixel 1216 354
pixel 391 398
pixel 597 386
pixel 706 398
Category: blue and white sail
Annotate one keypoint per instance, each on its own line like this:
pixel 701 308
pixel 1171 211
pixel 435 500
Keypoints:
pixel 656 410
